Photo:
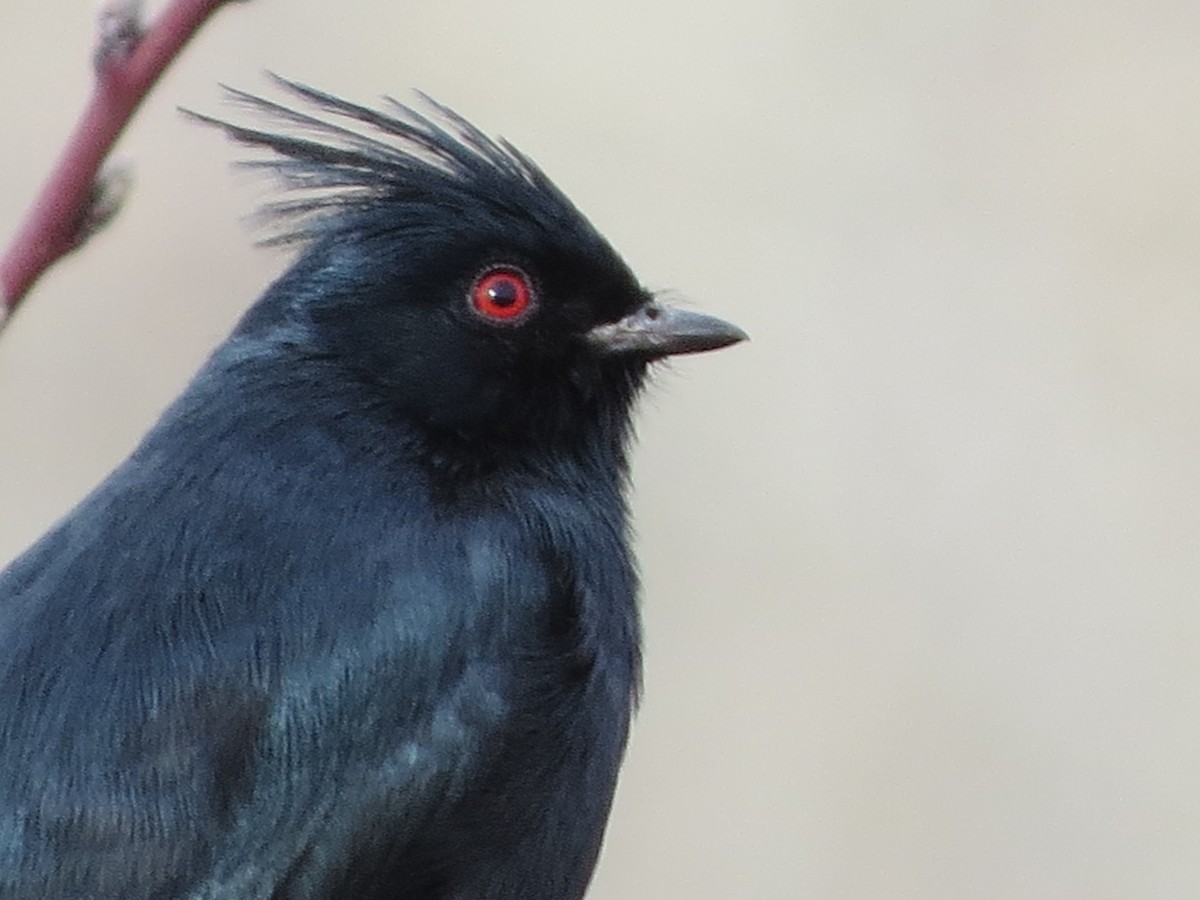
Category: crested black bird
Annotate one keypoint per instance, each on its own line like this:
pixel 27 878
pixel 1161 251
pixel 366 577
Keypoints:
pixel 358 616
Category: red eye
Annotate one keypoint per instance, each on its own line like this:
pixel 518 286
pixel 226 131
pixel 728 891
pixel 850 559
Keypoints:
pixel 502 294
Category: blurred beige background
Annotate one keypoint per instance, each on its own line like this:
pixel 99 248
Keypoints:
pixel 921 562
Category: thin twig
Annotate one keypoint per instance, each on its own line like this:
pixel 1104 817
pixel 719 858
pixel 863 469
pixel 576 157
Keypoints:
pixel 75 202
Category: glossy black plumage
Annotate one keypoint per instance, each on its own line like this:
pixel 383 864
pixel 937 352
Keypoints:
pixel 357 618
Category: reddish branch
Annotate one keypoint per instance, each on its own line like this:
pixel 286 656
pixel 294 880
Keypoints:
pixel 75 202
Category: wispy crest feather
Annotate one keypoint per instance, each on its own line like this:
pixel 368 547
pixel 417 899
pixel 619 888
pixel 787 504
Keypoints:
pixel 412 161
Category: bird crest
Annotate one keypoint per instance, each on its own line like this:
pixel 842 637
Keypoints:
pixel 342 159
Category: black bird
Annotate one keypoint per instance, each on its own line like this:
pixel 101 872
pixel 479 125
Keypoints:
pixel 357 618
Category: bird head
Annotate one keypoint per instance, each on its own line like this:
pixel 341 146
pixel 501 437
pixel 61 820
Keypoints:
pixel 450 280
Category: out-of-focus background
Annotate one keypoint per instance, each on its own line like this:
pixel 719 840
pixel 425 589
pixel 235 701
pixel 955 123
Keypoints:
pixel 922 560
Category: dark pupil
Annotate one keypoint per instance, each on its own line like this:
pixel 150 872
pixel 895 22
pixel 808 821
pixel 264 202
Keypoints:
pixel 503 292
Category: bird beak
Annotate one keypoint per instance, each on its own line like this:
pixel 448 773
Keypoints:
pixel 656 329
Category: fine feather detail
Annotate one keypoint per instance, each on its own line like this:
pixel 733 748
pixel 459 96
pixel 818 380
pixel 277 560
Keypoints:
pixel 396 155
